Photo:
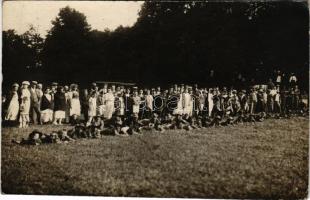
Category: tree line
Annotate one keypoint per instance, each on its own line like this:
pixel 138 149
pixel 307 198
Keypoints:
pixel 171 42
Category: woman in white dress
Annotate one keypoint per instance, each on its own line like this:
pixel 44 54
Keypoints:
pixel 210 102
pixel 179 109
pixel 187 106
pixel 25 105
pixel 109 104
pixel 13 106
pixel 75 107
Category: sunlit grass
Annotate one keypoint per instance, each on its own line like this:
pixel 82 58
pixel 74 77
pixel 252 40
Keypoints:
pixel 265 160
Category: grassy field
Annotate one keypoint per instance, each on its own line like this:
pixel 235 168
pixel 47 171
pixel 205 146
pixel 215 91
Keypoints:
pixel 266 160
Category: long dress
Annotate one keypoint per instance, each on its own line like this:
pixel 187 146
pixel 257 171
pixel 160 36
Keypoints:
pixel 60 105
pixel 210 103
pixel 75 108
pixel 13 108
pixel 109 108
pixel 25 105
pixel 187 105
pixel 92 105
pixel 179 109
pixel 46 108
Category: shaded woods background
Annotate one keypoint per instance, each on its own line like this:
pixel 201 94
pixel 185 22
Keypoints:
pixel 170 43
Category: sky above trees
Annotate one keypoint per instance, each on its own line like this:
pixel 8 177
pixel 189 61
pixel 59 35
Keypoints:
pixel 101 15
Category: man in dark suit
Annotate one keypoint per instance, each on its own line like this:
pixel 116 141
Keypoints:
pixel 35 103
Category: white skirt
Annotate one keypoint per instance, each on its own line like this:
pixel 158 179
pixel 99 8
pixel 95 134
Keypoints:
pixel 60 114
pixel 47 115
pixel 75 107
pixel 135 108
pixel 13 110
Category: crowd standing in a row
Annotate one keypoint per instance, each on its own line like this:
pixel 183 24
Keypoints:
pixel 128 110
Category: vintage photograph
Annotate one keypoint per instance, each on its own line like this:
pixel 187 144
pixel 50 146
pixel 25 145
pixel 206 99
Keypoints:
pixel 183 99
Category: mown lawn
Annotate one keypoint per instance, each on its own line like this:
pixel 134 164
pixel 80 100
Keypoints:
pixel 266 160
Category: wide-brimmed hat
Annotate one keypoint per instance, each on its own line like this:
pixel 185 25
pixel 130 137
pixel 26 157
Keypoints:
pixel 34 82
pixel 25 83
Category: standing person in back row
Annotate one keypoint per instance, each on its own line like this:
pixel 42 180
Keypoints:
pixel 35 103
pixel 12 107
pixel 24 105
pixel 60 106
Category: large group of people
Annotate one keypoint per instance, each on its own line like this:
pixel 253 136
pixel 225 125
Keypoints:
pixel 125 110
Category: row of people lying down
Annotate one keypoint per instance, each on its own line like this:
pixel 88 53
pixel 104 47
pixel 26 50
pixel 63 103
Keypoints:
pixel 134 126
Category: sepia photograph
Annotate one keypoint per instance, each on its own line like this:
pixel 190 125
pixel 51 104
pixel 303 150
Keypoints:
pixel 166 99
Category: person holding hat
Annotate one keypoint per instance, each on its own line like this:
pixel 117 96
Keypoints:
pixel 35 103
pixel 60 106
pixel 24 105
pixel 12 108
pixel 46 107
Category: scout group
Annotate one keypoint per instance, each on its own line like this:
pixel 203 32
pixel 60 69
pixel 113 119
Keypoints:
pixel 123 111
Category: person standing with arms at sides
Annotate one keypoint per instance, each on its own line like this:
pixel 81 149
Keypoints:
pixel 12 107
pixel 92 107
pixel 25 105
pixel 40 91
pixel 84 104
pixel 68 99
pixel 120 105
pixel 46 107
pixel 100 103
pixel 179 108
pixel 210 102
pixel 60 106
pixel 128 103
pixel 53 92
pixel 148 104
pixel 35 104
pixel 142 104
pixel 109 104
pixel 75 107
pixel 252 101
pixel 136 101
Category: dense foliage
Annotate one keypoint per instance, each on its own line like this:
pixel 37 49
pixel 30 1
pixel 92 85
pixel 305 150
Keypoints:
pixel 170 42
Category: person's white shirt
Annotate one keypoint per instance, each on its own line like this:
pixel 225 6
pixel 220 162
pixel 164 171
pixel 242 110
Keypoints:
pixel 279 79
pixel 293 78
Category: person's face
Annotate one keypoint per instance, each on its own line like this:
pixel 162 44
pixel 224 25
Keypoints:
pixel 148 92
pixel 109 90
pixel 15 88
pixel 24 86
pixel 141 92
pixel 33 86
pixel 136 93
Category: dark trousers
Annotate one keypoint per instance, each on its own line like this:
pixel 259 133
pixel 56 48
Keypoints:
pixel 35 113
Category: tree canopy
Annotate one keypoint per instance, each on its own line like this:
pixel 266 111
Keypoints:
pixel 171 42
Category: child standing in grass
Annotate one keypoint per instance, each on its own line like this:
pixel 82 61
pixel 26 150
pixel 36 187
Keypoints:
pixel 25 105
